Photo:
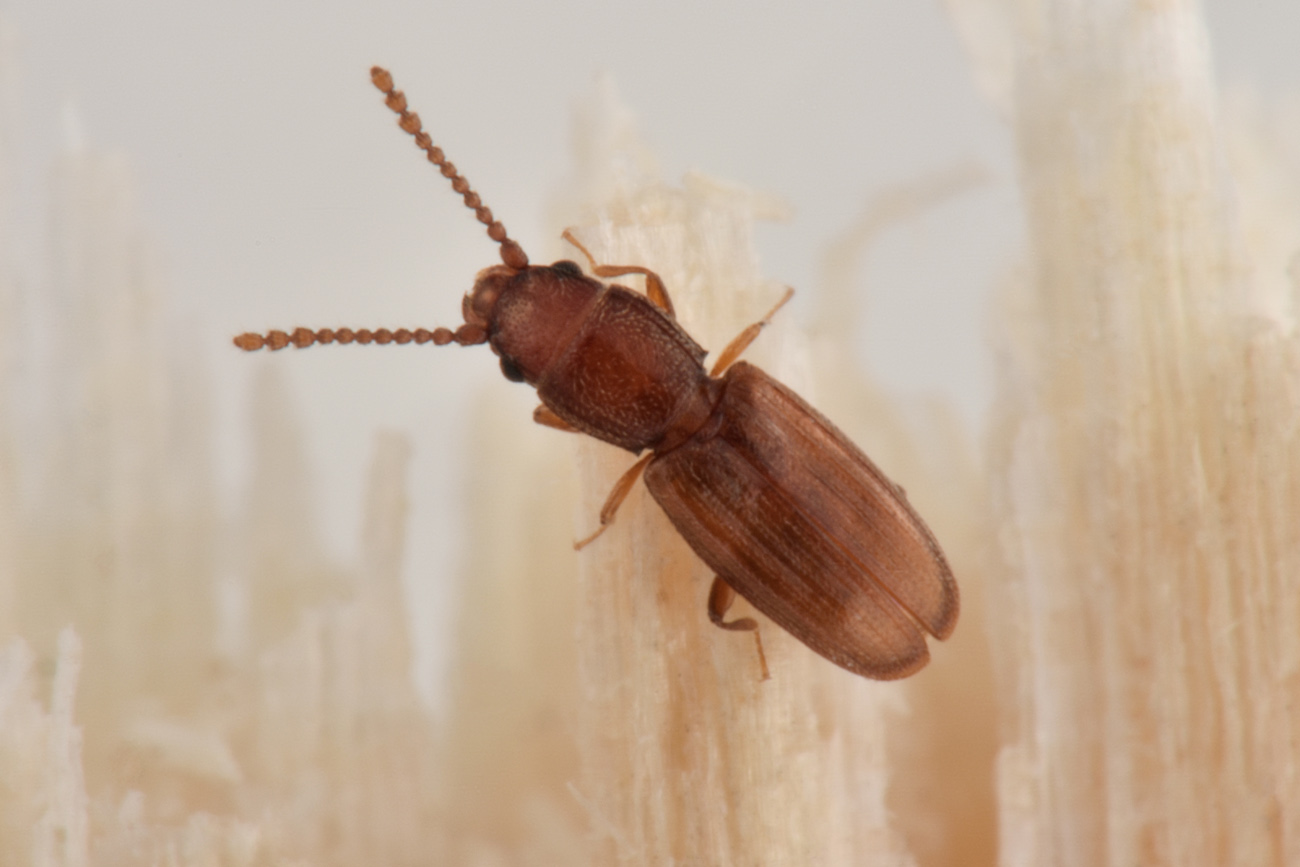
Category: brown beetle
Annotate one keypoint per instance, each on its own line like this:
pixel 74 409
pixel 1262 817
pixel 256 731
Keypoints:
pixel 772 496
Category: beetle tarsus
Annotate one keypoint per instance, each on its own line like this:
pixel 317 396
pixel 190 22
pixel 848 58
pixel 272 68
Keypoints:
pixel 721 595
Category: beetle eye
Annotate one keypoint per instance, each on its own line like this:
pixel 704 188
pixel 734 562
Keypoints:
pixel 511 370
pixel 567 267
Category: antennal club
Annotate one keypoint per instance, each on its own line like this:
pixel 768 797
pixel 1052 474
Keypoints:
pixel 511 253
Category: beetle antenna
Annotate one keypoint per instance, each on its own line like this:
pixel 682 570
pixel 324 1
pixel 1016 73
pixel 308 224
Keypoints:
pixel 466 335
pixel 511 253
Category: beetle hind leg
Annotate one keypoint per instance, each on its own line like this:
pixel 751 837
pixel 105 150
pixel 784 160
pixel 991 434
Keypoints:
pixel 654 285
pixel 721 595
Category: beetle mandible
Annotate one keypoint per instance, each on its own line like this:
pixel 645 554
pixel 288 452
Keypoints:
pixel 778 502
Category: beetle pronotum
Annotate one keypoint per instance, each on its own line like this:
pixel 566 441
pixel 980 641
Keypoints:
pixel 768 493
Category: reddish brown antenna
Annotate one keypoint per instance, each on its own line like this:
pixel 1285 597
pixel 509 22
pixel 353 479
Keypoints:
pixel 466 335
pixel 511 253
pixel 303 337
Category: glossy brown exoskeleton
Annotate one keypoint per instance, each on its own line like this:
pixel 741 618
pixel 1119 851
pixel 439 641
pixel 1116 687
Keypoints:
pixel 772 496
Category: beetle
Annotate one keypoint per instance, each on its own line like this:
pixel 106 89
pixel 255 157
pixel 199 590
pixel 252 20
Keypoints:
pixel 779 503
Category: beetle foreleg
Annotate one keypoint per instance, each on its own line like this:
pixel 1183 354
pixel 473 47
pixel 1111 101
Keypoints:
pixel 746 337
pixel 654 286
pixel 543 415
pixel 615 499
pixel 721 595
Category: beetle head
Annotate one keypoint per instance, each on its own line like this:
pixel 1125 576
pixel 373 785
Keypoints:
pixel 480 304
pixel 530 314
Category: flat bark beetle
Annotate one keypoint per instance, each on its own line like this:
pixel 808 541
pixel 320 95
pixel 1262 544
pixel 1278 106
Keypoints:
pixel 768 493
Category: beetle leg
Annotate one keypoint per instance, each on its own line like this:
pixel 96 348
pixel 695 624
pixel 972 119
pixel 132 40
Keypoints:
pixel 544 416
pixel 721 595
pixel 615 499
pixel 654 286
pixel 746 337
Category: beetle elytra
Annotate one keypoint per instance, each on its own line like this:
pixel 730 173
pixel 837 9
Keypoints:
pixel 778 502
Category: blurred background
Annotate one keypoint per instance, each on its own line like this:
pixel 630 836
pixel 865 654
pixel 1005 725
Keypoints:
pixel 271 189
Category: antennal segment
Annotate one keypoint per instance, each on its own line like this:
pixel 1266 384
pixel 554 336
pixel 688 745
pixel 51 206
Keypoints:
pixel 511 253
pixel 466 335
